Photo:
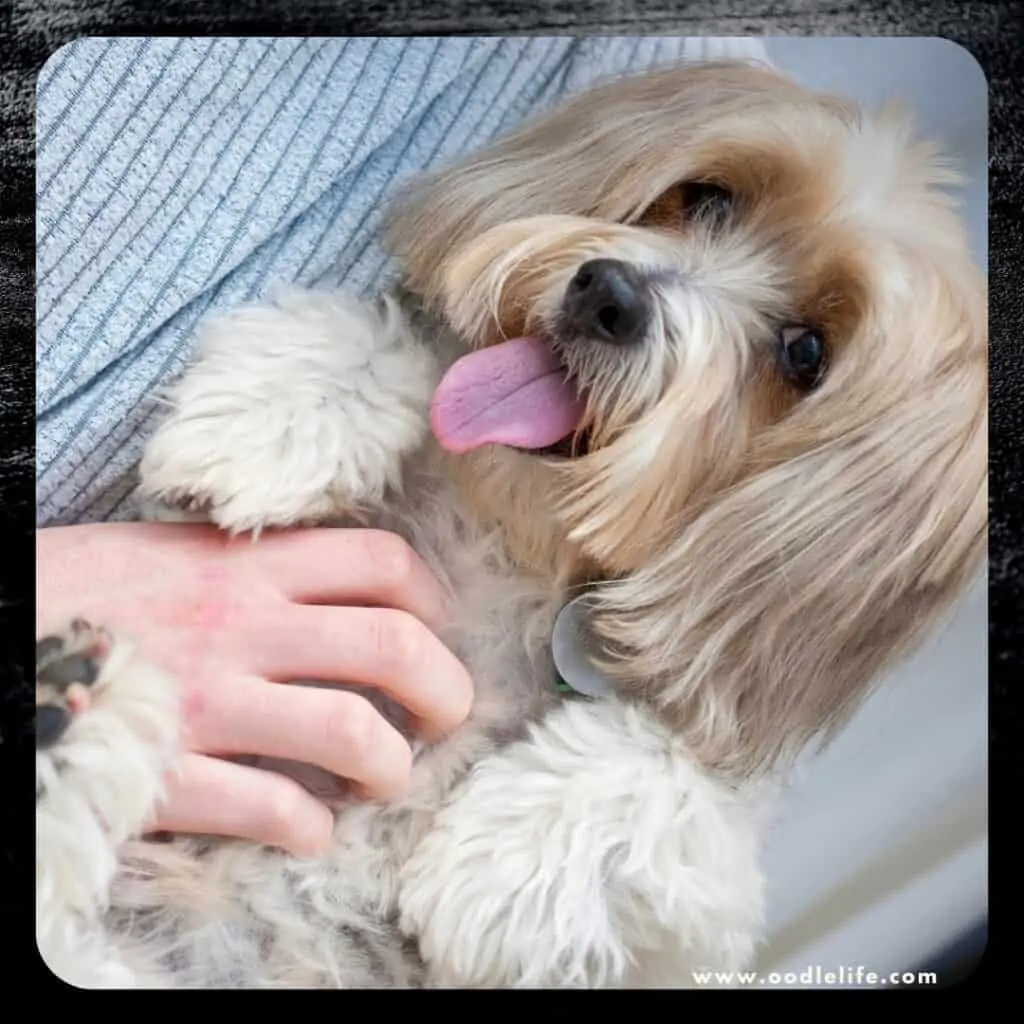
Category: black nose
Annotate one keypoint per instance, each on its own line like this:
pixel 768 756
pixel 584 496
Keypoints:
pixel 608 300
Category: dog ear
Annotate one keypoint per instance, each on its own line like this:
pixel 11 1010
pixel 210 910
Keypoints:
pixel 769 616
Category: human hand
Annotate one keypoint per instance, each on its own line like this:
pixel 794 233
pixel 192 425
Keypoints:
pixel 235 621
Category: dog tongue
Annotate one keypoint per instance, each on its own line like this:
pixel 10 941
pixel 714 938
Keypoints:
pixel 515 393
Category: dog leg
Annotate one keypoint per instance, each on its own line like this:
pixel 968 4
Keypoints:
pixel 106 731
pixel 594 853
pixel 293 412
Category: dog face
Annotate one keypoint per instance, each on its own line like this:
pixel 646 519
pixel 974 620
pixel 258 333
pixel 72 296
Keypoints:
pixel 760 422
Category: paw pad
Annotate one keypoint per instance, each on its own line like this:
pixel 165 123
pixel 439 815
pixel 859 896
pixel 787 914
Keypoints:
pixel 67 666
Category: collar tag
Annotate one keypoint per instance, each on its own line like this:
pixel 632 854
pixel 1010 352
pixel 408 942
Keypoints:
pixel 569 650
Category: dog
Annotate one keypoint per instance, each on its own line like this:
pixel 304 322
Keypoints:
pixel 701 350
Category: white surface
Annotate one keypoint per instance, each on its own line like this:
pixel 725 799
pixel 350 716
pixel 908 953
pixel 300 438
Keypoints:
pixel 879 857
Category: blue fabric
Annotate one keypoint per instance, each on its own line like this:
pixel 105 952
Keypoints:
pixel 176 176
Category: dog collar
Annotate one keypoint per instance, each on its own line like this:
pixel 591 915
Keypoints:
pixel 576 673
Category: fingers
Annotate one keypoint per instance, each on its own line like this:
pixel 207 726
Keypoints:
pixel 379 647
pixel 212 797
pixel 339 566
pixel 332 729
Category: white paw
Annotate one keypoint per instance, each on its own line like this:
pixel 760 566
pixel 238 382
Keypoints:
pixel 106 732
pixel 592 854
pixel 294 412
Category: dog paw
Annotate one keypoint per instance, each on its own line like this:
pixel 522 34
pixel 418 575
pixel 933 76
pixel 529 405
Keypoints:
pixel 294 412
pixel 620 859
pixel 107 730
pixel 67 666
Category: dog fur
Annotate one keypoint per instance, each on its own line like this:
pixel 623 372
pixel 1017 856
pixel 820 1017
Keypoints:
pixel 754 553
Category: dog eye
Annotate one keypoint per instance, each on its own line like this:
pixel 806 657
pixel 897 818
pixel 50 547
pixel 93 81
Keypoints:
pixel 802 356
pixel 705 200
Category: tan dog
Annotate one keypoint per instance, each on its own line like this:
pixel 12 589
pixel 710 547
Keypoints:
pixel 700 344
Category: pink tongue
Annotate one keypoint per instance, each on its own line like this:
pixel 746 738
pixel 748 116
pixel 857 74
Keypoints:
pixel 515 393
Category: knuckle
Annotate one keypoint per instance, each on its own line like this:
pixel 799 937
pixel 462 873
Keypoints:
pixel 393 559
pixel 284 809
pixel 380 761
pixel 399 640
pixel 352 726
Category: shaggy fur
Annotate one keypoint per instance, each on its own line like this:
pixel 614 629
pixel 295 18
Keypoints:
pixel 754 552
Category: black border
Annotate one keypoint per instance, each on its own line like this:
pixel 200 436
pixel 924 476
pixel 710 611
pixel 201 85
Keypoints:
pixel 31 30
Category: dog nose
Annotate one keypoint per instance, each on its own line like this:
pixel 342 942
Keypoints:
pixel 607 299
